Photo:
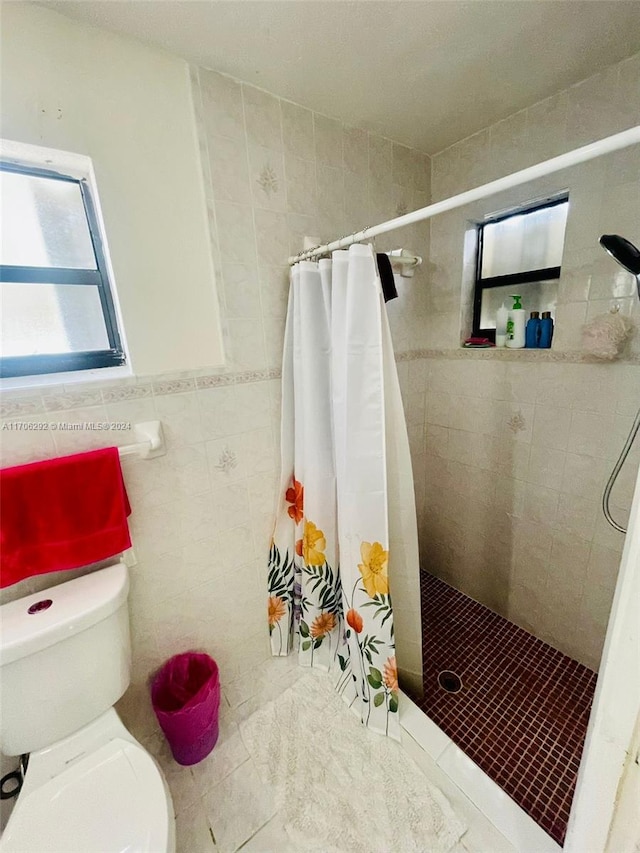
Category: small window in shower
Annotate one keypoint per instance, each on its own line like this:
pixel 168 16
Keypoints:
pixel 519 251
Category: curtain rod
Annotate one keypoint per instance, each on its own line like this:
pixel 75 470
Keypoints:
pixel 547 167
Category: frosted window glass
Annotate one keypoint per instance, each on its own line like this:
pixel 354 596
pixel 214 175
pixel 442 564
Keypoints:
pixel 528 241
pixel 536 296
pixel 37 319
pixel 44 223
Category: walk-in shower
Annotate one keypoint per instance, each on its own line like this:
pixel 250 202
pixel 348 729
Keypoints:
pixel 518 564
pixel 510 451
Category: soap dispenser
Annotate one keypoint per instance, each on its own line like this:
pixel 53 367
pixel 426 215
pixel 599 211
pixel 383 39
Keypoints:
pixel 515 324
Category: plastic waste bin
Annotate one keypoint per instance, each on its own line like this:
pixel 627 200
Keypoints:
pixel 185 694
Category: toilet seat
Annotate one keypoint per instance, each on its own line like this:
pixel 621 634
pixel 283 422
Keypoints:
pixel 112 800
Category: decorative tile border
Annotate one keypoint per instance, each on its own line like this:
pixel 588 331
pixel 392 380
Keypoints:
pixel 73 400
pixel 16 404
pixel 173 386
pixel 216 380
pixel 126 392
pixel 254 376
pixel 21 407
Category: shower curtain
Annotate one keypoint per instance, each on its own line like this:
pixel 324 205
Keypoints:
pixel 328 577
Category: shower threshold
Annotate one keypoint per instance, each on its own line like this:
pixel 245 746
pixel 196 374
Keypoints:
pixel 512 737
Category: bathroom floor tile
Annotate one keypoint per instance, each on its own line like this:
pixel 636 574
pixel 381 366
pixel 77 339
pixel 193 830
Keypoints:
pixel 237 807
pixel 184 791
pixel 272 838
pixel 225 758
pixel 193 834
pixel 523 709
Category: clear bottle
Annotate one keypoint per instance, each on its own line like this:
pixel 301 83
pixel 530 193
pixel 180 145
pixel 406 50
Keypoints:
pixel 502 316
pixel 516 324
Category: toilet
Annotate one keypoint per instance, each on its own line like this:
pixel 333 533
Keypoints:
pixel 89 787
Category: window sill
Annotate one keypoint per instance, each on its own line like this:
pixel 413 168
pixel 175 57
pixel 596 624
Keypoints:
pixel 70 377
pixel 522 355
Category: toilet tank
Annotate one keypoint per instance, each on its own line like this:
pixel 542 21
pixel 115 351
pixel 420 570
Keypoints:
pixel 65 658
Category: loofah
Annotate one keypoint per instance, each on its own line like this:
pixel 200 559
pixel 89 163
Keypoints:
pixel 605 336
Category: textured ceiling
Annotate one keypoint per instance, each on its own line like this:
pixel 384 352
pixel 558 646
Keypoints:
pixel 424 72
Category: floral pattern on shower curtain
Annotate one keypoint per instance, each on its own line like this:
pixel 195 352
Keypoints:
pixel 328 579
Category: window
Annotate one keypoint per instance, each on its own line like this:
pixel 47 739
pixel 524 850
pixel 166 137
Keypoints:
pixel 519 252
pixel 57 308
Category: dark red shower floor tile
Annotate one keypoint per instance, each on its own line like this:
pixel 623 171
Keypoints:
pixel 524 706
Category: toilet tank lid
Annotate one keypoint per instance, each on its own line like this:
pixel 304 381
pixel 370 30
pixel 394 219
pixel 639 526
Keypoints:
pixel 60 612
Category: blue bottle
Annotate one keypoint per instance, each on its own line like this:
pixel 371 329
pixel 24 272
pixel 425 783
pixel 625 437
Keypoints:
pixel 532 332
pixel 546 330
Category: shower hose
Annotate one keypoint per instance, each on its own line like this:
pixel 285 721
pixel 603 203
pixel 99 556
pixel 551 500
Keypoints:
pixel 614 474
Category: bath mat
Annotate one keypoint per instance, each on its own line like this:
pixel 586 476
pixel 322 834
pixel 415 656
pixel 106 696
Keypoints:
pixel 339 787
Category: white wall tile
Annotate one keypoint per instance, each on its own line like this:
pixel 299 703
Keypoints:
pixel 218 411
pixel 229 170
pixel 328 140
pixel 272 236
pixel 297 131
pixel 221 105
pixel 551 427
pixel 355 151
pixel 241 290
pixel 546 467
pixel 590 433
pixel 235 232
pixel 541 504
pixel 247 349
pixel 262 117
pixel 180 418
pixel 19 444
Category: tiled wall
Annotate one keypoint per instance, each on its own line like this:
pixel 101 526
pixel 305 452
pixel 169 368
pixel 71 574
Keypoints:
pixel 488 438
pixel 510 461
pixel 511 451
pixel 604 197
pixel 202 514
pixel 275 173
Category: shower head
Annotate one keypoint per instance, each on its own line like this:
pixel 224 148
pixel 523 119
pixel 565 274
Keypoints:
pixel 624 252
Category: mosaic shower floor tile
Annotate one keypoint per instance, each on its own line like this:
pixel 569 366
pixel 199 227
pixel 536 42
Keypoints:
pixel 522 709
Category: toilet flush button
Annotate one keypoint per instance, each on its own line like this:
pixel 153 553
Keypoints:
pixel 45 604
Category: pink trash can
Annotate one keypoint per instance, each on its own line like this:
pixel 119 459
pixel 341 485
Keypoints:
pixel 186 700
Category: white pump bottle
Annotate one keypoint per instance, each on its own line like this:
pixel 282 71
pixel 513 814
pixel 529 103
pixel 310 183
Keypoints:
pixel 516 324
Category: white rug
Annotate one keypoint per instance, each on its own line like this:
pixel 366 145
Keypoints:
pixel 339 787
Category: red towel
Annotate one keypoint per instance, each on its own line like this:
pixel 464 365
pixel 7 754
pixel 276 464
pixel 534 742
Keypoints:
pixel 61 514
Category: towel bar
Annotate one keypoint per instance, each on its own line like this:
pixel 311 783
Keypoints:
pixel 151 443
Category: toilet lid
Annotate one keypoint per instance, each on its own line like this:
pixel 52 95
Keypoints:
pixel 111 801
